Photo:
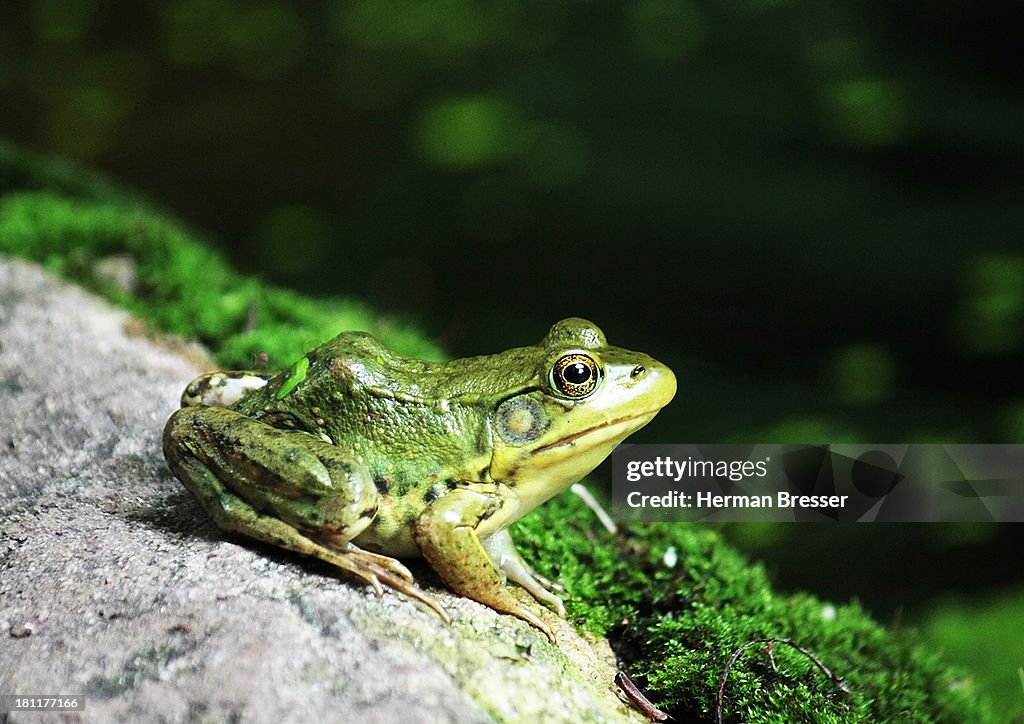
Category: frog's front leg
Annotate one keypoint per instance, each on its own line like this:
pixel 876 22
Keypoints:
pixel 283 487
pixel 502 550
pixel 446 536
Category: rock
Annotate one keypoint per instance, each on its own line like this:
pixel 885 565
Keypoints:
pixel 115 586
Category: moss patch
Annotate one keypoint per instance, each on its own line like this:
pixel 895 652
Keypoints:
pixel 674 626
pixel 972 630
pixel 82 228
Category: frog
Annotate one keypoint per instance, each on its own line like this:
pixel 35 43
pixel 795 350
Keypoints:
pixel 360 456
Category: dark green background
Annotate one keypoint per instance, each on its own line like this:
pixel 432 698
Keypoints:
pixel 811 210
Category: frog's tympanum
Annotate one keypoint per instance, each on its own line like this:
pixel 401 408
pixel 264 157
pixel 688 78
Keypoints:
pixel 356 454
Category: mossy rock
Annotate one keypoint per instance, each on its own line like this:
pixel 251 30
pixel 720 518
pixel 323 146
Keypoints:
pixel 675 601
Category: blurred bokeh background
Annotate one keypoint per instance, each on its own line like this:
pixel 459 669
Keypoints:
pixel 811 210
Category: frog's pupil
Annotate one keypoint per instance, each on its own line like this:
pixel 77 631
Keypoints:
pixel 577 373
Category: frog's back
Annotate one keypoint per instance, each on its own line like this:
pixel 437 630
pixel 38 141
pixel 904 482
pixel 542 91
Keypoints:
pixel 349 363
pixel 358 359
pixel 378 404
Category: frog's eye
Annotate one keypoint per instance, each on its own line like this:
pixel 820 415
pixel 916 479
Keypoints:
pixel 575 375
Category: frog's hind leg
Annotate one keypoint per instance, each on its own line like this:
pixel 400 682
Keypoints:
pixel 285 488
pixel 236 516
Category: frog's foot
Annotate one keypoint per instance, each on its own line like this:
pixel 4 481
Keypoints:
pixel 536 588
pixel 376 569
pixel 386 562
pixel 373 568
pixel 502 551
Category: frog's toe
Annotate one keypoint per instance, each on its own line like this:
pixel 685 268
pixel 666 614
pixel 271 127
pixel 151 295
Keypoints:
pixel 534 620
pixel 390 572
pixel 415 592
pixel 386 562
pixel 547 598
pixel 541 588
pixel 552 586
pixel 556 603
pixel 373 582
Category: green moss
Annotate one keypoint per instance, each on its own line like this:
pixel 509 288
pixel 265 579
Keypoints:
pixel 674 627
pixel 168 275
pixel 971 630
pixel 21 170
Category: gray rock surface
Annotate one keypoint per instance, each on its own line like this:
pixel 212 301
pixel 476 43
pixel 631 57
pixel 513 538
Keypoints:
pixel 114 584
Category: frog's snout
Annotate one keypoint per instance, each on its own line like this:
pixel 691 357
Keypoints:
pixel 659 381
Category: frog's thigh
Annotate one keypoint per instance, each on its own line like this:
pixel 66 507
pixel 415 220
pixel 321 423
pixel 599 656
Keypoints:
pixel 203 448
pixel 446 536
pixel 502 551
pixel 233 514
pixel 291 475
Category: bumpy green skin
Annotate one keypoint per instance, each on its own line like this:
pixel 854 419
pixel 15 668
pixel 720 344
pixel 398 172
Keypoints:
pixel 407 419
pixel 355 445
pixel 364 398
pixel 673 628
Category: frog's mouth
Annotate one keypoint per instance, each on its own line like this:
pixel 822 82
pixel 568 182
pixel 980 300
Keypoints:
pixel 614 422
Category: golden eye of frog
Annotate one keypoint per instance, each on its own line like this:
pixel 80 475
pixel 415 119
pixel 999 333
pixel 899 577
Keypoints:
pixel 356 454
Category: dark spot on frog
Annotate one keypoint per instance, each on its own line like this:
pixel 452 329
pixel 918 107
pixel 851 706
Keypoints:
pixel 383 484
pixel 341 368
pixel 280 419
pixel 434 493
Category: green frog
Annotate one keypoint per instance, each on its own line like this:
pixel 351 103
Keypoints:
pixel 357 455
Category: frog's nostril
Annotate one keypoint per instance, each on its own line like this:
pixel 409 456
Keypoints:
pixel 638 371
